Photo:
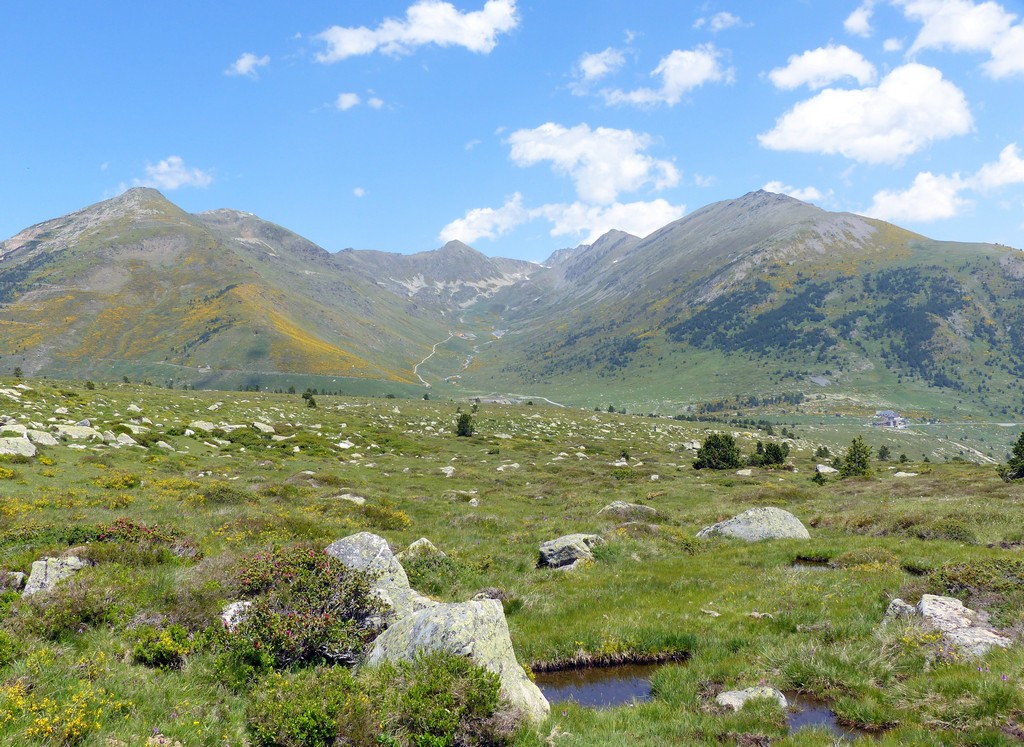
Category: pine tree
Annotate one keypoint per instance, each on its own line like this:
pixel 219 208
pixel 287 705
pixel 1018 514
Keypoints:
pixel 719 451
pixel 1014 467
pixel 857 461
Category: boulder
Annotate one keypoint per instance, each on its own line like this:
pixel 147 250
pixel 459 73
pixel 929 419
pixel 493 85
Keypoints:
pixel 476 629
pixel 824 469
pixel 628 511
pixel 759 524
pixel 905 474
pixel 201 425
pixel 262 427
pixel 898 608
pixel 12 580
pixel 41 438
pixel 961 627
pixel 745 472
pixel 125 440
pixel 421 548
pixel 567 550
pixel 77 432
pixel 48 572
pixel 17 447
pixel 736 699
pixel 370 553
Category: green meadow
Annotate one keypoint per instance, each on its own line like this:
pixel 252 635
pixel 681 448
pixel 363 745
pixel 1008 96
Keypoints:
pixel 130 650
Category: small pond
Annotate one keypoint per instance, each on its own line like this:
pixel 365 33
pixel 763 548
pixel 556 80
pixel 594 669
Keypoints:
pixel 598 687
pixel 606 687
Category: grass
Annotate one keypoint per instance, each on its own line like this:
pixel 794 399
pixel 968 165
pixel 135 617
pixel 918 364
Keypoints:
pixel 165 530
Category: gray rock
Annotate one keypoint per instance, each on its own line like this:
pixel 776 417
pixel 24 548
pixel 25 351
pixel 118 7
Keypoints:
pixel 419 549
pixel 736 699
pixel 568 549
pixel 201 425
pixel 759 524
pixel 17 446
pixel 84 423
pixel 77 432
pixel 370 553
pixel 48 572
pixel 12 580
pixel 824 469
pixel 961 627
pixel 125 440
pixel 41 438
pixel 263 427
pixel 905 474
pixel 628 511
pixel 356 499
pixel 745 472
pixel 234 614
pixel 164 445
pixel 898 608
pixel 476 629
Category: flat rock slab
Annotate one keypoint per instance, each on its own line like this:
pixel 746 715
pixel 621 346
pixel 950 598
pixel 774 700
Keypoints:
pixel 824 469
pixel 48 572
pixel 17 447
pixel 370 553
pixel 568 549
pixel 759 524
pixel 77 432
pixel 736 699
pixel 628 511
pixel 476 629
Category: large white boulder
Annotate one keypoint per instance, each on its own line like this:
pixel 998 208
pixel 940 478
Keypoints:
pixel 759 524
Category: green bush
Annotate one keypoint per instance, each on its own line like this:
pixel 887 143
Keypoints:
pixel 313 708
pixel 165 648
pixel 1014 467
pixel 719 451
pixel 439 575
pixel 464 425
pixel 857 460
pixel 8 648
pixel 385 516
pixel 307 608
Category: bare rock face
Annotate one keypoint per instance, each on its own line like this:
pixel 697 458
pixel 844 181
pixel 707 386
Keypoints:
pixel 476 629
pixel 759 524
pixel 568 550
pixel 370 553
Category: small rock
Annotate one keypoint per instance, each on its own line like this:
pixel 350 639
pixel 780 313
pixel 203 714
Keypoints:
pixel 905 474
pixel 12 580
pixel 234 614
pixel 736 699
pixel 448 470
pixel 421 548
pixel 744 472
pixel 356 499
pixel 898 608
pixel 711 613
pixel 84 423
pixel 263 427
pixel 164 445
pixel 125 440
pixel 824 469
pixel 133 408
pixel 201 425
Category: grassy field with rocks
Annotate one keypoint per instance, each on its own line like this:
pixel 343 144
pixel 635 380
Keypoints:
pixel 181 495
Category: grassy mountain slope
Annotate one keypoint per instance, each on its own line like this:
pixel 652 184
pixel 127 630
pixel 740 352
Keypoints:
pixel 767 295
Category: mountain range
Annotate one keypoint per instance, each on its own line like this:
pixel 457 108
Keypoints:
pixel 748 302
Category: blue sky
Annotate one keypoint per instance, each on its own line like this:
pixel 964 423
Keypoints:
pixel 518 126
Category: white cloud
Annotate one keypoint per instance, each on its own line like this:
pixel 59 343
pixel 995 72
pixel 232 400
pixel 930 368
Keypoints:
pixel 359 192
pixel 375 103
pixel 680 72
pixel 934 197
pixel 912 107
pixel 722 21
pixel 892 45
pixel 966 26
pixel 596 65
pixel 593 221
pixel 346 101
pixel 601 162
pixel 858 22
pixel 807 194
pixel 425 22
pixel 586 222
pixel 171 173
pixel 1009 169
pixel 816 68
pixel 487 223
pixel 248 64
pixel 931 197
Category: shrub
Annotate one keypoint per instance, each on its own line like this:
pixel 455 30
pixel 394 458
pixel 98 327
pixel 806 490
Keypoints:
pixel 771 454
pixel 75 605
pixel 719 451
pixel 438 575
pixel 117 481
pixel 308 608
pixel 311 708
pixel 8 649
pixel 165 648
pixel 385 516
pixel 864 556
pixel 7 474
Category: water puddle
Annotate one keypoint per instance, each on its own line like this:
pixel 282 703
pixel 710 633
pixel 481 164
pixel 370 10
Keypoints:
pixel 805 713
pixel 598 687
pixel 810 564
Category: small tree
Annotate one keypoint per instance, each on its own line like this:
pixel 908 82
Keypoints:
pixel 18 373
pixel 1014 467
pixel 884 455
pixel 774 454
pixel 464 426
pixel 857 461
pixel 719 451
